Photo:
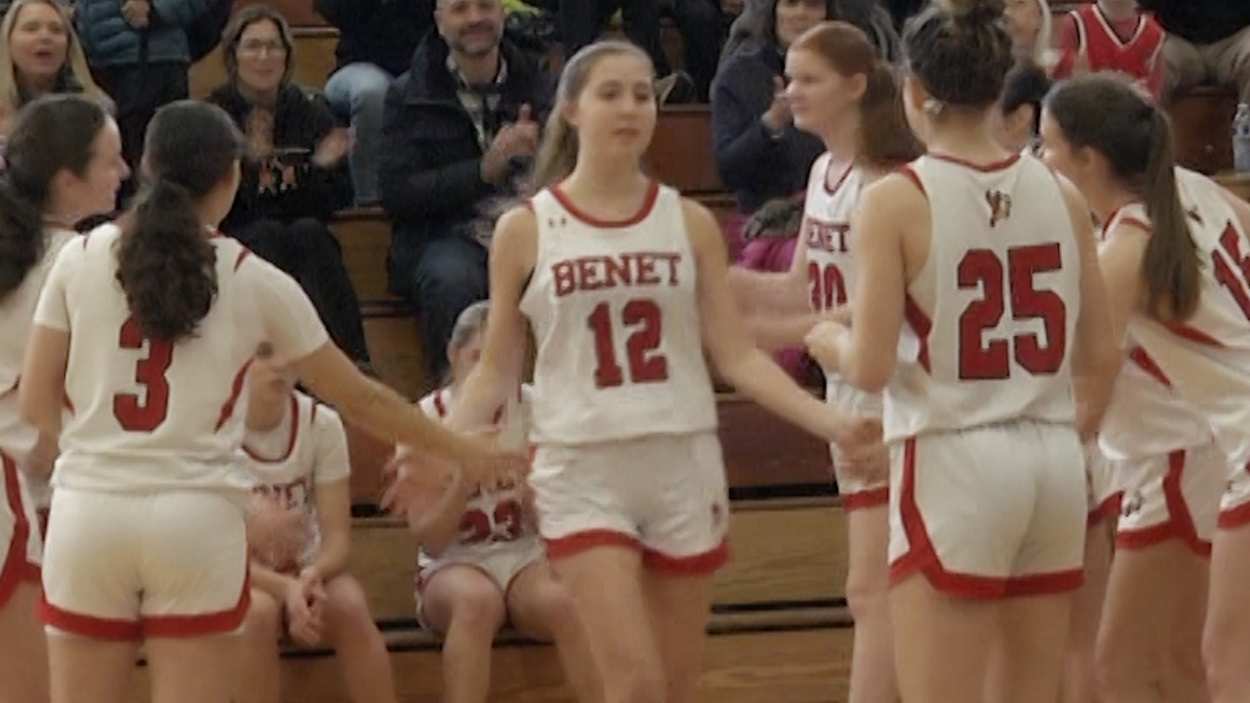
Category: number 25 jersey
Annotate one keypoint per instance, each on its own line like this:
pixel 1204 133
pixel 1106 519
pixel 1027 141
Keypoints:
pixel 989 320
pixel 615 312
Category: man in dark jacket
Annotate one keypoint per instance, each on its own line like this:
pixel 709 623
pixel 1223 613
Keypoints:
pixel 139 54
pixel 376 41
pixel 1208 42
pixel 460 128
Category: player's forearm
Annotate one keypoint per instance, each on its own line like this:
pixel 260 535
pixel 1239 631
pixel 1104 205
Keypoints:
pixel 269 581
pixel 389 417
pixel 774 333
pixel 333 555
pixel 756 376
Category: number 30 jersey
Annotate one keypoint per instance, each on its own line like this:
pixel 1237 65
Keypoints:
pixel 832 193
pixel 614 308
pixel 148 414
pixel 989 320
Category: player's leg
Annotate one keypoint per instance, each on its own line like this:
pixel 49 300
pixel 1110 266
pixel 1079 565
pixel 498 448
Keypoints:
pixel 868 596
pixel 1226 639
pixel 258 678
pixel 679 605
pixel 540 607
pixel 24 665
pixel 86 670
pixel 462 602
pixel 606 584
pixel 194 669
pixel 1080 685
pixel 1190 582
pixel 940 650
pixel 357 643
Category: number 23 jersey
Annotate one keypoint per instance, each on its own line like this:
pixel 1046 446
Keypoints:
pixel 989 320
pixel 615 311
pixel 148 414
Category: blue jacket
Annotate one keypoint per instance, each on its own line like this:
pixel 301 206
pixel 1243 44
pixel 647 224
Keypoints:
pixel 109 40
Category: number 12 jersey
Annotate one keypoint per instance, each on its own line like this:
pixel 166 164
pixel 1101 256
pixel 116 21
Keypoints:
pixel 615 312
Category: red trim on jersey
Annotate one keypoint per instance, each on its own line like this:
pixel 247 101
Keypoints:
pixel 703 564
pixel 870 498
pixel 89 625
pixel 1131 221
pixel 290 445
pixel 910 173
pixel 236 388
pixel 1140 224
pixel 921 326
pixel 15 568
pixel 242 255
pixel 1109 27
pixel 439 406
pixel 1180 523
pixel 984 168
pixel 1143 361
pixel 922 557
pixel 1192 334
pixel 1109 507
pixel 179 626
pixel 578 542
pixel 841 179
pixel 648 203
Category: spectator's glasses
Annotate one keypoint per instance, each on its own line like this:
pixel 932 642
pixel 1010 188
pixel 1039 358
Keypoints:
pixel 257 47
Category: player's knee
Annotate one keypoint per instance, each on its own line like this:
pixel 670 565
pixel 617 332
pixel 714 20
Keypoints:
pixel 347 606
pixel 554 605
pixel 866 597
pixel 478 610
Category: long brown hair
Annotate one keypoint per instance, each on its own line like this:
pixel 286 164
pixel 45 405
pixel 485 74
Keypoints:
pixel 884 139
pixel 1106 114
pixel 75 68
pixel 165 264
pixel 557 155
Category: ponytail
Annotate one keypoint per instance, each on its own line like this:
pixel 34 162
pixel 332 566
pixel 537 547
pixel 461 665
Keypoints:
pixel 165 264
pixel 885 139
pixel 1171 265
pixel 21 238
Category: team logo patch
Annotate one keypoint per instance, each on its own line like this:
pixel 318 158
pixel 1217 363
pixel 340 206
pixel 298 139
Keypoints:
pixel 1000 206
pixel 1133 505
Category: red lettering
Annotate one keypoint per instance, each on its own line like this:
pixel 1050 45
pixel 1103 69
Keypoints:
pixel 587 273
pixel 563 275
pixel 618 272
pixel 673 260
pixel 646 270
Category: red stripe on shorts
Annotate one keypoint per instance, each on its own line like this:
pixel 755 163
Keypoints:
pixel 15 568
pixel 1180 523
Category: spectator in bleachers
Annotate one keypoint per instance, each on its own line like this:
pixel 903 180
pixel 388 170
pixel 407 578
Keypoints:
pixel 1029 26
pixel 461 129
pixel 1018 121
pixel 294 173
pixel 376 41
pixel 1208 42
pixel 759 153
pixel 699 22
pixel 1113 35
pixel 40 55
pixel 139 54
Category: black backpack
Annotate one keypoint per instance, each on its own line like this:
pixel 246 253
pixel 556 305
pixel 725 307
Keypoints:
pixel 205 33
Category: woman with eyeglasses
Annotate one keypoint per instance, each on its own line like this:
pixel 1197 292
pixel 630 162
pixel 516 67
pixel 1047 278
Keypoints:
pixel 295 172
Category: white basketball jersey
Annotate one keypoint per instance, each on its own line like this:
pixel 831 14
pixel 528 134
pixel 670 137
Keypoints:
pixel 148 414
pixel 307 449
pixel 1146 416
pixel 989 320
pixel 492 520
pixel 17 315
pixel 832 194
pixel 1207 357
pixel 615 311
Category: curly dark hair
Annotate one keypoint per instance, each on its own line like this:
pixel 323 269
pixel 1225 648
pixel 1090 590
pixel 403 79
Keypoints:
pixel 165 264
pixel 50 135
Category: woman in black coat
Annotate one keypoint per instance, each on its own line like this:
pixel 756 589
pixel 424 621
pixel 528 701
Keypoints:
pixel 294 176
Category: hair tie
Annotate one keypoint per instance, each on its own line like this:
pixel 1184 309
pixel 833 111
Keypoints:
pixel 933 107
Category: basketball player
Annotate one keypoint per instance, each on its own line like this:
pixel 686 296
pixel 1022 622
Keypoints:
pixel 481 562
pixel 840 91
pixel 147 330
pixel 297 455
pixel 624 283
pixel 64 163
pixel 968 267
pixel 1113 35
pixel 1174 259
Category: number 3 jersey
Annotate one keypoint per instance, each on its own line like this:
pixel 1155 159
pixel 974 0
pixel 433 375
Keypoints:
pixel 989 319
pixel 615 311
pixel 148 414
